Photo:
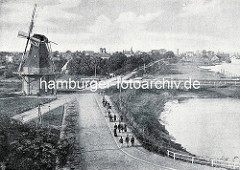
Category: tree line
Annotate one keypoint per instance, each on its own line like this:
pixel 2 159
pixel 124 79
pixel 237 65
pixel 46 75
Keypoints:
pixel 118 63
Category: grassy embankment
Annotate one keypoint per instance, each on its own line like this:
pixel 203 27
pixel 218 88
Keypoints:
pixel 141 109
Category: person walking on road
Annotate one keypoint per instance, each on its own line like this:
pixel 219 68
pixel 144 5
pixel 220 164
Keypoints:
pixel 110 117
pixel 127 140
pixel 125 127
pixel 119 127
pixel 115 118
pixel 122 128
pixel 115 132
pixel 132 141
pixel 103 101
pixel 121 118
pixel 109 106
pixel 115 126
pixel 121 142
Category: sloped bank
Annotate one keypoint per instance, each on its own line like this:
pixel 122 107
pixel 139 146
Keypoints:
pixel 141 109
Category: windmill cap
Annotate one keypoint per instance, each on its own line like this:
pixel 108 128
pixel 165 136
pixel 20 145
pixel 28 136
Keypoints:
pixel 41 37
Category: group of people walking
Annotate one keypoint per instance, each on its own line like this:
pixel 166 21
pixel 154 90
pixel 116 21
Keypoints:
pixel 127 140
pixel 120 127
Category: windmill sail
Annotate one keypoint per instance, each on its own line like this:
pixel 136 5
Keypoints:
pixel 25 35
pixel 22 34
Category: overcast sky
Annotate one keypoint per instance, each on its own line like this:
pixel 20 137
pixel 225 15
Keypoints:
pixel 122 24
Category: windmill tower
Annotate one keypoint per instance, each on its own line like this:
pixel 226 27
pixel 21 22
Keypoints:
pixel 37 63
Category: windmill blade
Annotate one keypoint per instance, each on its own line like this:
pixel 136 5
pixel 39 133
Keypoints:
pixel 20 65
pixel 22 34
pixel 32 21
pixel 25 35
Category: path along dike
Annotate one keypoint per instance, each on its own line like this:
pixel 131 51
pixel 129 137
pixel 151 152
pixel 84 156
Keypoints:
pixel 101 150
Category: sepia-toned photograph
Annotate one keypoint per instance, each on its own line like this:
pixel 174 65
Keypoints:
pixel 119 84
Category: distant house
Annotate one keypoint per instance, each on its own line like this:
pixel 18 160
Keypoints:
pixel 162 51
pixel 103 53
pixel 157 52
pixel 210 54
pixel 9 58
pixel 224 57
pixel 214 58
pixel 190 54
pixel 138 52
pixel 128 53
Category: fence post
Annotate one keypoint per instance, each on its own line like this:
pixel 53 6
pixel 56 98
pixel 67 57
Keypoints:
pixel 174 156
pixel 192 159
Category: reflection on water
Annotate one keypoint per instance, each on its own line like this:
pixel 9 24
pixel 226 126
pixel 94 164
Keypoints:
pixel 205 127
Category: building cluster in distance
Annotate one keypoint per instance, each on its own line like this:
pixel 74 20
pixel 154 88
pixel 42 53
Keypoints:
pixel 189 56
pixel 208 56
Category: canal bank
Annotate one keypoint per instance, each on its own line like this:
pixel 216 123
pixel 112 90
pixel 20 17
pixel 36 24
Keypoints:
pixel 143 109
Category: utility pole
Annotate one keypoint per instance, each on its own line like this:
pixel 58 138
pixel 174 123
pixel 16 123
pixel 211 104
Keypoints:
pixel 120 90
pixel 39 115
pixel 49 109
pixel 144 67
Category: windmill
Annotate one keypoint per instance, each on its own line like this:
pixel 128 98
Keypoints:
pixel 37 63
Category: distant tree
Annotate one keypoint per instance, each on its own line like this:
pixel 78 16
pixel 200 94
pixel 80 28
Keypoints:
pixel 103 70
pixel 145 58
pixel 169 55
pixel 95 63
pixel 116 61
pixel 132 63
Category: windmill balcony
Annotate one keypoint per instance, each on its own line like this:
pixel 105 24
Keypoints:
pixel 36 71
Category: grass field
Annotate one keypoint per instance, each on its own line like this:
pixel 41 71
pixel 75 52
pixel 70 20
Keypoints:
pixel 15 105
pixel 10 89
pixel 54 117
